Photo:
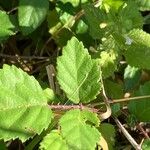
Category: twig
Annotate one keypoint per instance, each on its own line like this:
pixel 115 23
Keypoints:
pixel 70 23
pixel 10 11
pixel 51 73
pixel 123 100
pixel 22 57
pixel 127 135
pixel 107 114
pixel 69 107
pixel 143 131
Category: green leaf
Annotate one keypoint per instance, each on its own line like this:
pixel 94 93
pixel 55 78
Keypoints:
pixel 107 63
pixel 78 74
pixel 78 134
pixel 7 26
pixel 111 88
pixel 108 132
pixel 132 77
pixel 49 94
pixel 75 3
pixel 81 27
pixel 144 5
pixel 31 14
pixel 138 51
pixel 53 141
pixel 146 144
pixel 112 4
pixel 96 20
pixel 23 105
pixel 141 108
pixel 2 145
pixel 130 17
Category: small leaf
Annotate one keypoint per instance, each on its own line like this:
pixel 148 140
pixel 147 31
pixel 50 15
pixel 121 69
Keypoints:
pixel 146 144
pixel 130 17
pixel 112 4
pixel 78 134
pixel 138 53
pixel 31 14
pixel 144 5
pixel 131 77
pixel 49 94
pixel 111 88
pixel 78 74
pixel 23 105
pixel 75 3
pixel 53 141
pixel 108 63
pixel 95 17
pixel 141 108
pixel 109 133
pixel 7 26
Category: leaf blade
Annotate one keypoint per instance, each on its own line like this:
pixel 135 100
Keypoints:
pixel 31 14
pixel 22 106
pixel 79 134
pixel 78 74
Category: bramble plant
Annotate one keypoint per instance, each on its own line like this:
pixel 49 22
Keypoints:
pixel 97 58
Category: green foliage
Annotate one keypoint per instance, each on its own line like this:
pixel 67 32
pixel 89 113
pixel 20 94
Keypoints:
pixel 2 145
pixel 78 74
pixel 31 14
pixel 131 77
pixel 144 4
pixel 107 63
pixel 53 141
pixel 77 132
pixel 130 16
pixel 111 4
pixel 7 26
pixel 25 102
pixel 146 144
pixel 94 18
pixel 74 2
pixel 139 49
pixel 109 133
pixel 101 51
pixel 139 108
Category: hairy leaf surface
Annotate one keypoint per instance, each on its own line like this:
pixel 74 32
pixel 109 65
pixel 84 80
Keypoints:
pixel 130 17
pixel 78 74
pixel 31 14
pixel 96 21
pixel 23 105
pixel 77 132
pixel 144 4
pixel 138 52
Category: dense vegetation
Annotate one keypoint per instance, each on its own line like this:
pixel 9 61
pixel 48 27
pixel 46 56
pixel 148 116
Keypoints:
pixel 75 74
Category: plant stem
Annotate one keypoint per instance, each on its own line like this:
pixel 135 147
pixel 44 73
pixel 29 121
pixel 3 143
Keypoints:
pixel 114 101
pixel 127 135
